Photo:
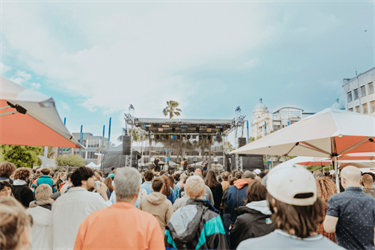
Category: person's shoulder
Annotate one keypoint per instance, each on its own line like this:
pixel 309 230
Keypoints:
pixel 326 243
pixel 259 242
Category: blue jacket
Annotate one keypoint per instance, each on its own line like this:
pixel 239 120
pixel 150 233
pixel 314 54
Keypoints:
pixel 236 198
pixel 172 197
pixel 45 179
pixel 197 225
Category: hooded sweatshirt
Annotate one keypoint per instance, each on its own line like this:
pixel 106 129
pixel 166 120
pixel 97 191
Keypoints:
pixel 41 229
pixel 197 225
pixel 159 206
pixel 236 197
pixel 254 220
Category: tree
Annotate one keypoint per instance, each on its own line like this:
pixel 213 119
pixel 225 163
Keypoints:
pixel 21 156
pixel 228 145
pixel 172 109
pixel 71 160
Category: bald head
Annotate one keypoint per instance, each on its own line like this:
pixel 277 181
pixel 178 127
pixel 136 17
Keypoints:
pixel 350 177
pixel 367 180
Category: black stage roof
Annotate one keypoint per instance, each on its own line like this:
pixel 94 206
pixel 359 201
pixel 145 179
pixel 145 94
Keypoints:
pixel 183 126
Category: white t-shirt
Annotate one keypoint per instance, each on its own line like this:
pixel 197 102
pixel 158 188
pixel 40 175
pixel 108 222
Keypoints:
pixel 281 240
pixel 69 211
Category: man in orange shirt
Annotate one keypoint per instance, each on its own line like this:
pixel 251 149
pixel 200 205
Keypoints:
pixel 122 225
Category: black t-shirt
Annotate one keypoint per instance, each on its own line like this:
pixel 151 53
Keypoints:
pixel 157 167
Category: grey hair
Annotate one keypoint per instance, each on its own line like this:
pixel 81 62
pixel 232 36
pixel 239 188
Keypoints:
pixel 127 183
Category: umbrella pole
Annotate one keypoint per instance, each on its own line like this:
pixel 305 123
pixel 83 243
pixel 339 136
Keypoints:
pixel 337 174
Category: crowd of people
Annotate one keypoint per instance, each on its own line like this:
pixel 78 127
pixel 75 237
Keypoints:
pixel 287 207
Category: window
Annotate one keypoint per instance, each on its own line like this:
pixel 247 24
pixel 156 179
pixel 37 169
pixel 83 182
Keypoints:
pixel 93 144
pixel 363 91
pixel 351 109
pixel 370 88
pixel 357 109
pixel 83 154
pixel 349 96
pixel 372 106
pixel 91 155
pixel 364 108
pixel 355 94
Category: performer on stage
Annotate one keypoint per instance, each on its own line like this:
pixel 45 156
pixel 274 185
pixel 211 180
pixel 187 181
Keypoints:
pixel 156 164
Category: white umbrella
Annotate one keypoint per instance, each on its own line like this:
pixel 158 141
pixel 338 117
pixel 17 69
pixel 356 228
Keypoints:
pixel 30 118
pixel 329 134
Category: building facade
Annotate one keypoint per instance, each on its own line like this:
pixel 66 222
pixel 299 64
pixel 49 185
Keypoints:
pixel 92 144
pixel 359 92
pixel 266 122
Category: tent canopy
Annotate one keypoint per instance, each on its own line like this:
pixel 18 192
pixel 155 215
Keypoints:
pixel 326 134
pixel 30 118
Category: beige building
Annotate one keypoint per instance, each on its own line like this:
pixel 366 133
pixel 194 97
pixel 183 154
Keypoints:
pixel 359 91
pixel 264 121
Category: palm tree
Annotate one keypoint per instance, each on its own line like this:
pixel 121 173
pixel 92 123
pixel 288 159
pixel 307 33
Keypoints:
pixel 172 109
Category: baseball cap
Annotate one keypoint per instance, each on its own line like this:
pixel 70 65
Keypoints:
pixel 248 174
pixel 257 171
pixel 292 184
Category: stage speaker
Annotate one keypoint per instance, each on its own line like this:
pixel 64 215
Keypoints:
pixel 252 162
pixel 126 144
pixel 188 137
pixel 178 137
pixel 241 141
pixel 200 137
pixel 173 130
pixel 209 137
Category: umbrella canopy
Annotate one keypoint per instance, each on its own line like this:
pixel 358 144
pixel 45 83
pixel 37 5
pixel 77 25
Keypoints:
pixel 329 133
pixel 30 118
pixel 325 162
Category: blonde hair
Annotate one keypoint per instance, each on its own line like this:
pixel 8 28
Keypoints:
pixel 195 187
pixel 13 222
pixel 43 192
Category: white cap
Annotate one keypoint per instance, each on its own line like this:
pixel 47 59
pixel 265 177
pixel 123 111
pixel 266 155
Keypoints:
pixel 257 171
pixel 289 183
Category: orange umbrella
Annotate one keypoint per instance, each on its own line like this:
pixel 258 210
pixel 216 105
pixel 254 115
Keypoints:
pixel 30 118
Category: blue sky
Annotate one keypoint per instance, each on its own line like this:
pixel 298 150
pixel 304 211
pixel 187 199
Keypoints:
pixel 95 58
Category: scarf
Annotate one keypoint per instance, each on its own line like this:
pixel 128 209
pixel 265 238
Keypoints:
pixel 41 203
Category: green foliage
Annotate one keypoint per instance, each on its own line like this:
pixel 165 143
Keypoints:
pixel 313 168
pixel 21 156
pixel 51 152
pixel 172 109
pixel 71 160
pixel 228 146
pixel 251 139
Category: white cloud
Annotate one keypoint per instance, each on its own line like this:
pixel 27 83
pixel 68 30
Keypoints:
pixel 250 64
pixel 65 106
pixel 35 85
pixel 4 68
pixel 135 53
pixel 141 53
pixel 18 80
pixel 23 75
